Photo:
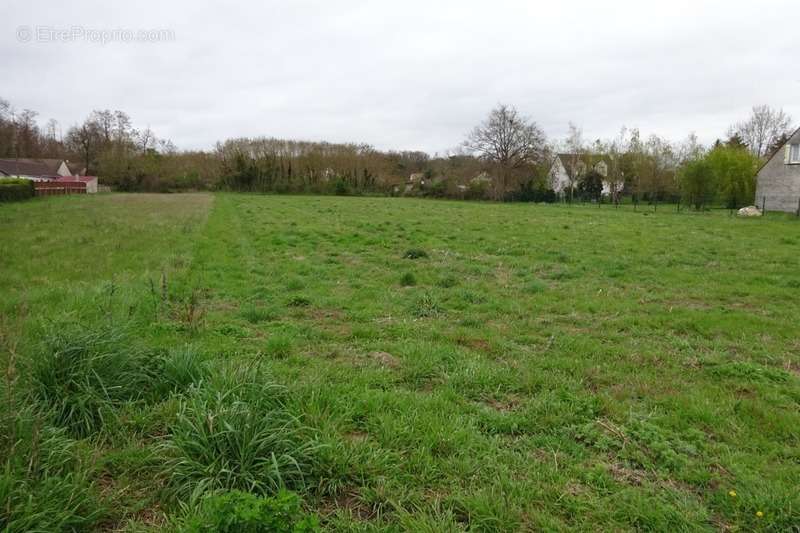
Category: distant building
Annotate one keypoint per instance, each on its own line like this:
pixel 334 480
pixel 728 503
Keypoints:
pixel 90 182
pixel 39 169
pixel 577 165
pixel 778 181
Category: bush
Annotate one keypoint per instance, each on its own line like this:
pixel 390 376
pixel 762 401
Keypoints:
pixel 237 433
pixel 340 187
pixel 242 512
pixel 14 189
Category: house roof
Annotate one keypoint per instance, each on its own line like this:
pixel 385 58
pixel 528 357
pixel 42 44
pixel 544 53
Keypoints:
pixel 595 158
pixel 76 167
pixel 568 159
pixel 29 167
pixel 789 139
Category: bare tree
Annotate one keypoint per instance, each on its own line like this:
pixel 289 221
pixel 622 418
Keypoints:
pixel 576 156
pixel 508 140
pixel 28 134
pixel 122 127
pixel 105 123
pixel 762 129
pixel 145 139
pixel 86 140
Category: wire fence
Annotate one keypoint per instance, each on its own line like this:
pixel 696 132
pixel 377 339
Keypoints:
pixel 789 205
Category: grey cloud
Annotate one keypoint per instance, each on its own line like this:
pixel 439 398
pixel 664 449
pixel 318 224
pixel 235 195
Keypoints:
pixel 415 75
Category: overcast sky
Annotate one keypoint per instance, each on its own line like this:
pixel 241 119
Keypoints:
pixel 401 75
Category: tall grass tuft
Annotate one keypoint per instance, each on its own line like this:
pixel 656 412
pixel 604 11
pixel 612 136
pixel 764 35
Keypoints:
pixel 236 432
pixel 82 377
pixel 44 483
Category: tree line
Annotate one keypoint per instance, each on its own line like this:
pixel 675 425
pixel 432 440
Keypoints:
pixel 506 157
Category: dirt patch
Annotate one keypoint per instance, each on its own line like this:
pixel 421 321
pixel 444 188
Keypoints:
pixel 476 344
pixel 504 405
pixel 350 503
pixel 792 368
pixel 356 436
pixel 629 476
pixel 385 359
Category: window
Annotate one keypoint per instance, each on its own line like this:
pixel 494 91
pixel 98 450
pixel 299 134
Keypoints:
pixel 794 153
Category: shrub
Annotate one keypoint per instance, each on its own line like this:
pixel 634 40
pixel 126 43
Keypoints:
pixel 340 187
pixel 242 512
pixel 13 189
pixel 237 433
pixel 415 253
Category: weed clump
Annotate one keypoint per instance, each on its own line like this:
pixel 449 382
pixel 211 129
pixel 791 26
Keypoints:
pixel 299 301
pixel 415 253
pixel 236 511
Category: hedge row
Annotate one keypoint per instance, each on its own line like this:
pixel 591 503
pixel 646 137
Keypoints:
pixel 13 189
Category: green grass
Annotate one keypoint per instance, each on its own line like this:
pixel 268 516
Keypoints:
pixel 400 364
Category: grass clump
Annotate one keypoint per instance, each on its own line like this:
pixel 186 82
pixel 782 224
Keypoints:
pixel 80 378
pixel 415 253
pixel 535 287
pixel 426 306
pixel 237 432
pixel 44 484
pixel 241 512
pixel 255 315
pixel 279 345
pixel 180 368
pixel 447 282
pixel 408 280
pixel 299 301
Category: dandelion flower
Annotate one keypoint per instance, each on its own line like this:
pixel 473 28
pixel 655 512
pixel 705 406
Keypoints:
pixel 759 514
pixel 732 494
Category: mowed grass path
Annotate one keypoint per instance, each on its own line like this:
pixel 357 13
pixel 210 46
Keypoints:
pixel 537 368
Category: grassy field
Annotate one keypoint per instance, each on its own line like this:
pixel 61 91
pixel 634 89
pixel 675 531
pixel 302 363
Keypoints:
pixel 399 364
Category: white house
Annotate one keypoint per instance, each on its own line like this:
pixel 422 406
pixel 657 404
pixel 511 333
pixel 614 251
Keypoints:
pixel 577 165
pixel 778 181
